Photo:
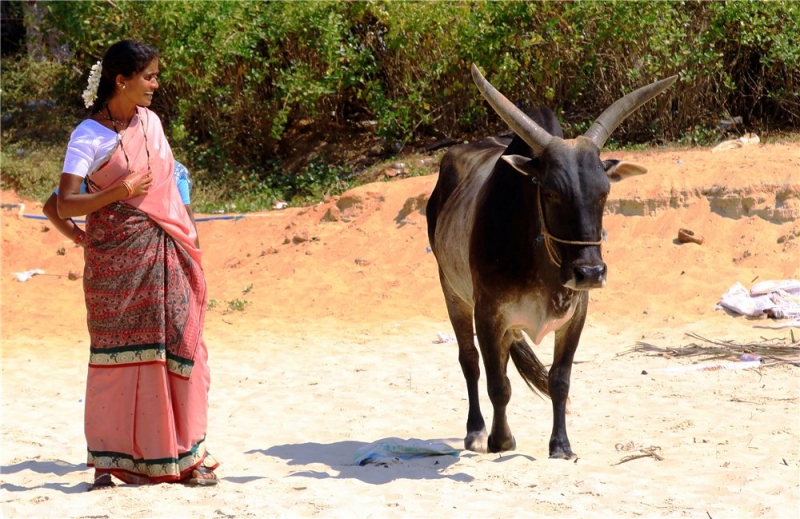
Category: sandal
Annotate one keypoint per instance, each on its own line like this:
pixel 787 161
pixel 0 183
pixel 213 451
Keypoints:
pixel 200 478
pixel 102 481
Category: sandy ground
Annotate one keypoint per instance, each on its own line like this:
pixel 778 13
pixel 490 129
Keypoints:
pixel 322 339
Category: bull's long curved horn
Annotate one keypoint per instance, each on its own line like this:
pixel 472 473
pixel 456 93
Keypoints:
pixel 613 116
pixel 537 137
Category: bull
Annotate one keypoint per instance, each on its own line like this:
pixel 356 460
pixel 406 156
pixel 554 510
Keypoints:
pixel 516 226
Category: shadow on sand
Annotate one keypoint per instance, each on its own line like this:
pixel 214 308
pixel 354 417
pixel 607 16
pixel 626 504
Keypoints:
pixel 57 468
pixel 338 457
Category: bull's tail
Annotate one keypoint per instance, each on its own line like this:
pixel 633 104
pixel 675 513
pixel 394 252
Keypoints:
pixel 530 368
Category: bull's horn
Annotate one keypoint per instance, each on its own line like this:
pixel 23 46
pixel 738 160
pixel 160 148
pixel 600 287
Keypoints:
pixel 608 121
pixel 537 137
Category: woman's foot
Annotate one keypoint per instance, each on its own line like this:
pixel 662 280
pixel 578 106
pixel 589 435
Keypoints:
pixel 102 481
pixel 203 477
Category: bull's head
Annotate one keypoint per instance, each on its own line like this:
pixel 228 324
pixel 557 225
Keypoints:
pixel 571 180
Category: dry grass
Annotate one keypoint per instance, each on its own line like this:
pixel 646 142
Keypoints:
pixel 772 351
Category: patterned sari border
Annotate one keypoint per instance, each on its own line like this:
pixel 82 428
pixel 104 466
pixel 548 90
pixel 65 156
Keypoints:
pixel 154 469
pixel 179 366
pixel 123 356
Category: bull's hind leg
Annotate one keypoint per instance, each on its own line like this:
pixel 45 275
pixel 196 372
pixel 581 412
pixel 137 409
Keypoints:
pixel 495 348
pixel 461 318
pixel 559 379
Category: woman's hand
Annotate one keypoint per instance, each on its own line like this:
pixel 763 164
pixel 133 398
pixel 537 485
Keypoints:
pixel 139 185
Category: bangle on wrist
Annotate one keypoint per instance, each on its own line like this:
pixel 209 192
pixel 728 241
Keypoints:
pixel 128 187
pixel 78 239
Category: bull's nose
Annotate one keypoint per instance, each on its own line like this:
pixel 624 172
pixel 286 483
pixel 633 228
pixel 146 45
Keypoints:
pixel 589 276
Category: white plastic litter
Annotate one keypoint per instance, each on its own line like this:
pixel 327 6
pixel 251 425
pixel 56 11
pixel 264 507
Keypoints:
pixel 25 276
pixel 765 287
pixel 444 338
pixel 778 326
pixel 388 450
pixel 774 299
pixel 710 367
pixel 745 140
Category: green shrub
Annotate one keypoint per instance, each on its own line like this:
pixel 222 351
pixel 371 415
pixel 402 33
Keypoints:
pixel 31 168
pixel 243 82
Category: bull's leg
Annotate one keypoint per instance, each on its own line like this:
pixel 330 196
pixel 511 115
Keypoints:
pixel 495 350
pixel 558 380
pixel 461 318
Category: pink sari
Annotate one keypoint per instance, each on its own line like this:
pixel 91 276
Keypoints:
pixel 148 381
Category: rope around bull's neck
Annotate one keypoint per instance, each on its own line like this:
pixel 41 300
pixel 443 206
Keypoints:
pixel 549 238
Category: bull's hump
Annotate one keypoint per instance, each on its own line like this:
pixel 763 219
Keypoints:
pixel 480 162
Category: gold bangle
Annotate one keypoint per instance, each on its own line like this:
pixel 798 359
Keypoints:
pixel 128 187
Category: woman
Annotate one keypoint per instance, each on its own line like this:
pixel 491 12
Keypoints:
pixel 148 380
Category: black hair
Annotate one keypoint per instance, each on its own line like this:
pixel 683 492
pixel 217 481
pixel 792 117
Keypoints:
pixel 126 57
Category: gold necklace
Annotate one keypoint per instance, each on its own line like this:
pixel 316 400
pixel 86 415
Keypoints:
pixel 122 147
pixel 111 118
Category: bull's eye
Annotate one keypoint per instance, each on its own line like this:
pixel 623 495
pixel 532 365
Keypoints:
pixel 551 197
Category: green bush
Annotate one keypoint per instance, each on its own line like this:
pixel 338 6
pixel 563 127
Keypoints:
pixel 244 82
pixel 31 168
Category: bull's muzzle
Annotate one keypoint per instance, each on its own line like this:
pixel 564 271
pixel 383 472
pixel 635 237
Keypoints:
pixel 587 277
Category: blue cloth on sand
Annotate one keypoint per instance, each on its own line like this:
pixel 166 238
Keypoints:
pixel 388 449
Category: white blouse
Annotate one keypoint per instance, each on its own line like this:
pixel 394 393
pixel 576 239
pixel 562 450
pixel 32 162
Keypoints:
pixel 90 146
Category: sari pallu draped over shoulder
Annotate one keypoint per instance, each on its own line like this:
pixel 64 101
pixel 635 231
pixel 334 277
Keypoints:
pixel 148 381
pixel 144 142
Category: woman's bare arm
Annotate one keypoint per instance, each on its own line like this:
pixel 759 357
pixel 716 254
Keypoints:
pixel 72 203
pixel 65 226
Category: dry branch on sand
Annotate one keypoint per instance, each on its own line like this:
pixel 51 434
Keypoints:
pixel 643 452
pixel 771 351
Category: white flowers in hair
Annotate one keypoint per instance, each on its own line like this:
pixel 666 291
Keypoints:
pixel 90 94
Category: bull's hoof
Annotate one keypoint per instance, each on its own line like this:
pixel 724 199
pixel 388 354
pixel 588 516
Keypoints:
pixel 509 444
pixel 563 455
pixel 476 441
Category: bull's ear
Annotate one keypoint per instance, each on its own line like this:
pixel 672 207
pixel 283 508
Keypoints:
pixel 524 165
pixel 620 169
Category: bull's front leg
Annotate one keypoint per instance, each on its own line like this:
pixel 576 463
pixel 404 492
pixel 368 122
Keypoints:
pixel 566 343
pixel 495 350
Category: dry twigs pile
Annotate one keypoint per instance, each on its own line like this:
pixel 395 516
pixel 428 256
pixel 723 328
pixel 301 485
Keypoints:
pixel 772 351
